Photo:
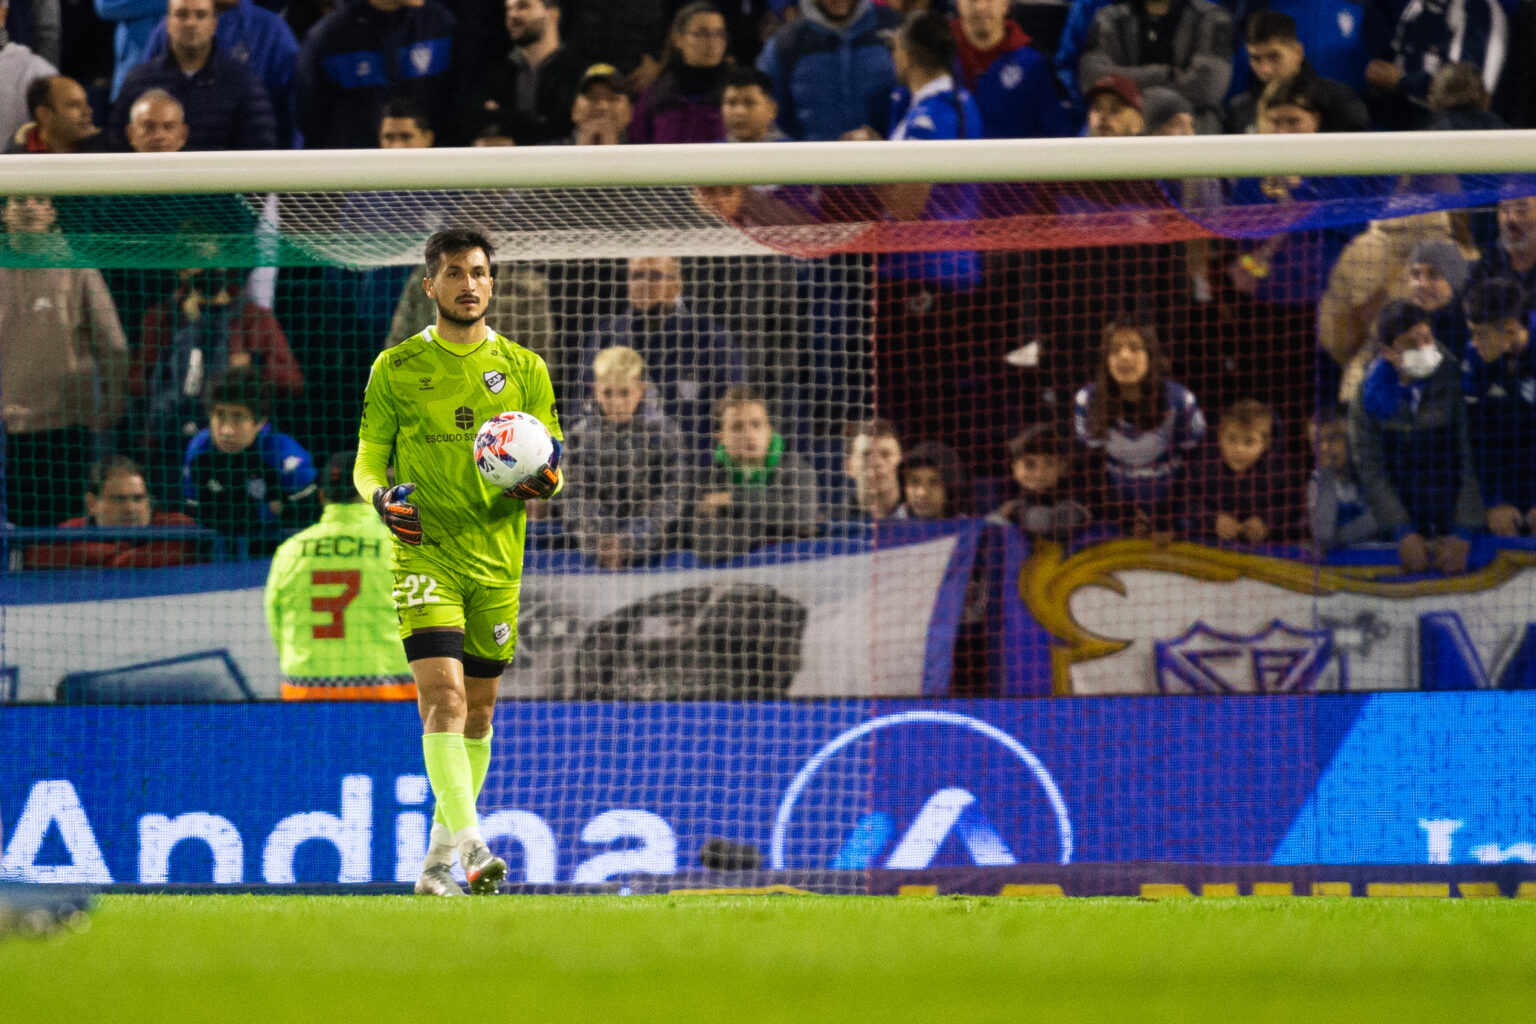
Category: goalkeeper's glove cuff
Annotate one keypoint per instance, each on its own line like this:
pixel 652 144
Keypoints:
pixel 402 517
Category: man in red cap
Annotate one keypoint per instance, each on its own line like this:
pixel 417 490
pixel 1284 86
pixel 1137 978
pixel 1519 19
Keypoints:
pixel 1114 108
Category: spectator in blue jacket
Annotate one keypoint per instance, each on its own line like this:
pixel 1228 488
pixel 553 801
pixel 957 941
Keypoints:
pixel 263 42
pixel 1427 36
pixel 923 305
pixel 241 477
pixel 224 103
pixel 1010 81
pixel 136 19
pixel 832 71
pixel 366 53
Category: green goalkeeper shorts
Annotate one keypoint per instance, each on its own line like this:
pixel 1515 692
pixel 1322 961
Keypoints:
pixel 426 597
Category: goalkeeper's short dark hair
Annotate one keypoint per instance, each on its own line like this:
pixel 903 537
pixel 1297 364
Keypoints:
pixel 450 241
pixel 243 386
pixel 1494 301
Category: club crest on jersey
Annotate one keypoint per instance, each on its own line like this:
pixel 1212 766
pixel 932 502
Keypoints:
pixel 495 380
pixel 463 417
pixel 501 633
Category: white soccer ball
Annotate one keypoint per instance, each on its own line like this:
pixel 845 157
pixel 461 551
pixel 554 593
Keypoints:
pixel 510 447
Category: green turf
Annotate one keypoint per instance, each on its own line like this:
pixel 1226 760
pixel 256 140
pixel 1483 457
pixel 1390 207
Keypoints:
pixel 781 958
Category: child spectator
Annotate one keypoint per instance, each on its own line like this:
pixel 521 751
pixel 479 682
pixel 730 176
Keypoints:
pixel 1336 510
pixel 934 483
pixel 748 109
pixel 241 477
pixel 1142 423
pixel 624 460
pixel 754 492
pixel 116 497
pixel 1409 434
pixel 1499 380
pixel 871 457
pixel 1244 491
pixel 1041 461
pixel 206 326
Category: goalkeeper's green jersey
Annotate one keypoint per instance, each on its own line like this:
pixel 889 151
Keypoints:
pixel 328 600
pixel 426 398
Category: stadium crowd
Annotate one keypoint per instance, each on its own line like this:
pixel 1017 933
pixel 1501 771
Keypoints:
pixel 998 371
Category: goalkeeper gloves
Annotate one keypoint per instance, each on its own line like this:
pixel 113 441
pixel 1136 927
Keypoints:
pixel 402 518
pixel 543 482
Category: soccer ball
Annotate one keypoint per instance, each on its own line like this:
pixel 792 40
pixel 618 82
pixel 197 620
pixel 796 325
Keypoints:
pixel 510 447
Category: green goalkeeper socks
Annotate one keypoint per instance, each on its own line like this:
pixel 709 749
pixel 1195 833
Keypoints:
pixel 479 753
pixel 448 769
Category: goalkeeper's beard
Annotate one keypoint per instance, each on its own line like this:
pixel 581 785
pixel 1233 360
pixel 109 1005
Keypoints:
pixel 458 319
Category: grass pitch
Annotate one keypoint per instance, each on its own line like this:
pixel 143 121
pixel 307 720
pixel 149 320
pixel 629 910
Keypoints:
pixel 776 958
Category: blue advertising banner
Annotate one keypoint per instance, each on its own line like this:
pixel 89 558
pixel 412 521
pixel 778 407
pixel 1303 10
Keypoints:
pixel 585 792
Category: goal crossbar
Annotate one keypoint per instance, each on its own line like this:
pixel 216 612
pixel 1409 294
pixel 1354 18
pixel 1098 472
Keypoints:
pixel 810 163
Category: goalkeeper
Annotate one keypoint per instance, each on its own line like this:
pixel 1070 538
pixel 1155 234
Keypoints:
pixel 458 541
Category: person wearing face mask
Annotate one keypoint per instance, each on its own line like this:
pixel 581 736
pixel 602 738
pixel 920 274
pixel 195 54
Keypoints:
pixel 1410 438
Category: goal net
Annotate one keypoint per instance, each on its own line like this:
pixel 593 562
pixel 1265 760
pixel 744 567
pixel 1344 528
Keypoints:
pixel 853 458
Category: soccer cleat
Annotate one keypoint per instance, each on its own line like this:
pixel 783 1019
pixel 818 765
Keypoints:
pixel 483 868
pixel 437 880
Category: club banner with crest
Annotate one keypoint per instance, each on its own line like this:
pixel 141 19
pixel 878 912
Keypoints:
pixel 1131 616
